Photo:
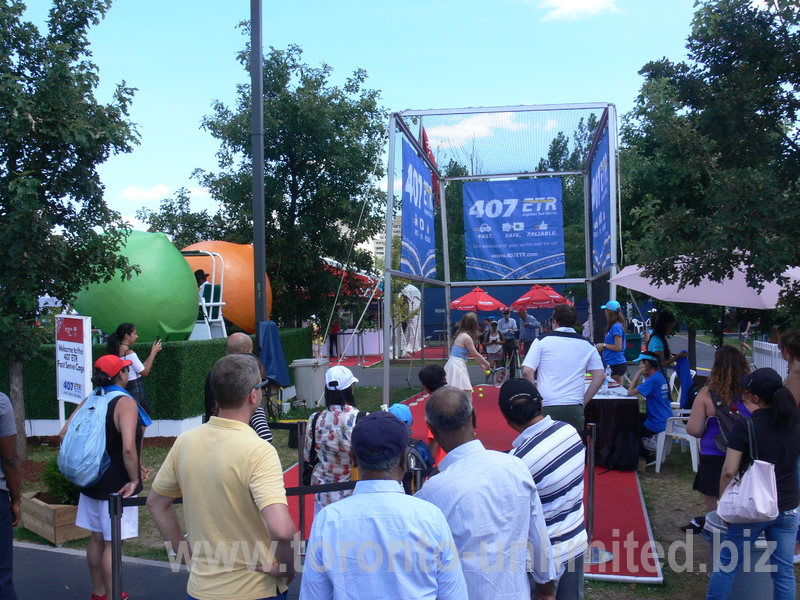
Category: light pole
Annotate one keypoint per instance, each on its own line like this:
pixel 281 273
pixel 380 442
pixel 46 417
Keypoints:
pixel 257 137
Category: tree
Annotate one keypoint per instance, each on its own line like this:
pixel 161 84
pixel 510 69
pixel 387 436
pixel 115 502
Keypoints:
pixel 57 232
pixel 712 163
pixel 322 147
pixel 560 158
pixel 184 227
pixel 454 203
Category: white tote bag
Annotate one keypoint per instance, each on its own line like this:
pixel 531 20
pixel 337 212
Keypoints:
pixel 752 497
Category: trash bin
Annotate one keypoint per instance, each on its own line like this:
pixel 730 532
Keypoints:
pixel 309 380
pixel 633 346
pixel 750 582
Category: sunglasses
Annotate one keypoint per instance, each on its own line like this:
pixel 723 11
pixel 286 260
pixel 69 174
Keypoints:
pixel 260 385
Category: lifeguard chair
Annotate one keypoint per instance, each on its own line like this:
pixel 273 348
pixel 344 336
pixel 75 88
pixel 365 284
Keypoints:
pixel 209 323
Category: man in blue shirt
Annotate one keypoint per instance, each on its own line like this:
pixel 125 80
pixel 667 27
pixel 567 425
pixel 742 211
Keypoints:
pixel 379 539
pixel 528 330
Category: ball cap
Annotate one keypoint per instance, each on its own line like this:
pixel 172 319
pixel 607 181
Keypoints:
pixel 339 378
pixel 402 412
pixel 379 436
pixel 611 305
pixel 762 382
pixel 518 392
pixel 110 364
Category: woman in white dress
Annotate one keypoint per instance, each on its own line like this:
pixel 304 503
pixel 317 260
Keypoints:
pixel 463 346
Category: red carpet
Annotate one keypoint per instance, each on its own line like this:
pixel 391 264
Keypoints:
pixel 621 525
pixel 290 480
pixel 353 361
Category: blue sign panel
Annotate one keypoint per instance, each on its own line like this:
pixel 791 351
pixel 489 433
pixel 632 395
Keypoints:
pixel 514 229
pixel 601 207
pixel 418 254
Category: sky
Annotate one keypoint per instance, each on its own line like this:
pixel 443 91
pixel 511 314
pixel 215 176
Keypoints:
pixel 181 57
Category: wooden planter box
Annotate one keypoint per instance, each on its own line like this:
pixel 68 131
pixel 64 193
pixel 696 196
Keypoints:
pixel 43 514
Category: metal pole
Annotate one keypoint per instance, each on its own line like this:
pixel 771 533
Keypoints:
pixel 115 512
pixel 387 286
pixel 611 111
pixel 590 495
pixel 301 498
pixel 257 100
pixel 446 258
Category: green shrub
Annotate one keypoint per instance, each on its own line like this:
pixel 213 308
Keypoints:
pixel 175 385
pixel 57 484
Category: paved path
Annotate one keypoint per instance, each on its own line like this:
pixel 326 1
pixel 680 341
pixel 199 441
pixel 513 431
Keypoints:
pixel 44 572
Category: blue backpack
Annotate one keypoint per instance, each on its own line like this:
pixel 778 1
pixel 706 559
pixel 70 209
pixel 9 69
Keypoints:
pixel 83 458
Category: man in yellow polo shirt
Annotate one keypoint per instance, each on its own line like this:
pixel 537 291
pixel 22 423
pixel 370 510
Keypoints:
pixel 239 530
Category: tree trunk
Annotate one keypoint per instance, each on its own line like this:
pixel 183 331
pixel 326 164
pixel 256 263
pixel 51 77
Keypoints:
pixel 692 347
pixel 18 404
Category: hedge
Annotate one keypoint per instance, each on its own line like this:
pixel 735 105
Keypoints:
pixel 175 385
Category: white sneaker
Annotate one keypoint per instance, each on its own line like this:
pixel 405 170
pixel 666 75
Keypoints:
pixel 796 559
pixel 650 444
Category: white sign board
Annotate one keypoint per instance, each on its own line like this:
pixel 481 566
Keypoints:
pixel 73 359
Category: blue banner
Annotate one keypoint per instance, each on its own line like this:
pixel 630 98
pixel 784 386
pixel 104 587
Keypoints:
pixel 514 229
pixel 601 207
pixel 418 254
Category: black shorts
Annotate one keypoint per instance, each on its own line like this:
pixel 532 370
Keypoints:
pixel 619 369
pixel 709 469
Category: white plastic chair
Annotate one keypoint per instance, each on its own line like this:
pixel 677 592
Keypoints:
pixel 676 429
pixel 638 325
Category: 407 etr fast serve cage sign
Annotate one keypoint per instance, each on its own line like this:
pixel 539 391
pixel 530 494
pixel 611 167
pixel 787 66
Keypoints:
pixel 73 360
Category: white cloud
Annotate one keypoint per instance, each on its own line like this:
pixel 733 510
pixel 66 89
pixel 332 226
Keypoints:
pixel 135 223
pixel 198 193
pixel 558 10
pixel 551 125
pixel 133 192
pixel 473 127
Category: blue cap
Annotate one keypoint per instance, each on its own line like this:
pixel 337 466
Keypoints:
pixel 402 412
pixel 611 305
pixel 379 436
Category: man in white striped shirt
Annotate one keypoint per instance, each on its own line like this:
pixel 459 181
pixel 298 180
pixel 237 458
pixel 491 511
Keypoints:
pixel 555 455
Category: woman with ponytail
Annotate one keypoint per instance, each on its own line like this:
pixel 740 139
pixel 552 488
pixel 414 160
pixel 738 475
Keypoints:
pixel 119 344
pixel 776 423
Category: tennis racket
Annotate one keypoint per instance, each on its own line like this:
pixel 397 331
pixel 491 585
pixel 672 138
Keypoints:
pixel 499 376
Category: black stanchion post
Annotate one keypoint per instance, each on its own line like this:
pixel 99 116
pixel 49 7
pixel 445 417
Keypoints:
pixel 115 512
pixel 590 504
pixel 301 499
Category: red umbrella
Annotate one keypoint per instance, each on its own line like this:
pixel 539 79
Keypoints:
pixel 536 297
pixel 557 298
pixel 476 300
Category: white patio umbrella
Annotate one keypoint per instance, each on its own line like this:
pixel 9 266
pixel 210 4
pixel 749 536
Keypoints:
pixel 731 292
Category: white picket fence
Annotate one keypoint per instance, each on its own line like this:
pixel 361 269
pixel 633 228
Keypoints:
pixel 769 355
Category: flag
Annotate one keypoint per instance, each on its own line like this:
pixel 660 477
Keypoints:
pixel 429 153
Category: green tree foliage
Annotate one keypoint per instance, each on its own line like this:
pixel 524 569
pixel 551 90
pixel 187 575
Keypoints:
pixel 184 227
pixel 561 158
pixel 454 204
pixel 712 164
pixel 57 232
pixel 322 147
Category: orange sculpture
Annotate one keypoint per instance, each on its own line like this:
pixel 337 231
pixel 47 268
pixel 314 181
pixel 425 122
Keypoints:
pixel 238 292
